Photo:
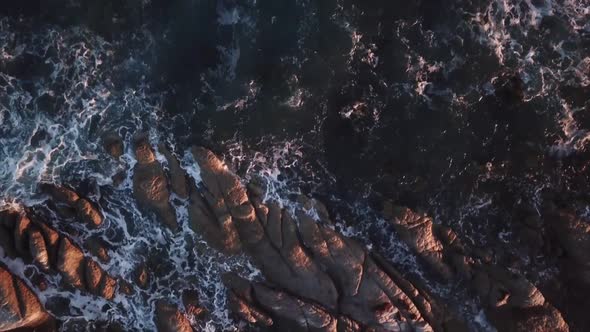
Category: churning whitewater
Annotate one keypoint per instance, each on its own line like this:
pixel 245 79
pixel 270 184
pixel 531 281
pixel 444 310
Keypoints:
pixel 296 165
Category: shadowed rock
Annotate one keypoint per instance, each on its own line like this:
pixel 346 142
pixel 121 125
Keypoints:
pixel 288 265
pixel 88 213
pixel 113 144
pixel 418 232
pixel 170 319
pixel 511 302
pixel 573 234
pixel 318 279
pixel 209 211
pixel 177 176
pixel 85 211
pixel 150 185
pixel 19 306
pixel 36 242
pixel 190 300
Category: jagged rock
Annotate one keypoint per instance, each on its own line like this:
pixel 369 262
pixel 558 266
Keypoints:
pixel 113 144
pixel 97 248
pixel 511 302
pixel 51 237
pixel 125 287
pixel 20 232
pixel 533 319
pixel 85 210
pixel 190 300
pixel 88 213
pixel 170 319
pixel 178 177
pixel 70 263
pixel 292 268
pixel 288 266
pixel 344 259
pixel 52 252
pixel 418 232
pixel 150 186
pixel 60 194
pixel 94 275
pixel 38 249
pixel 299 313
pixel 19 307
pixel 241 303
pixel 210 211
pixel 318 277
pixel 141 276
pixel 573 234
pixel 107 287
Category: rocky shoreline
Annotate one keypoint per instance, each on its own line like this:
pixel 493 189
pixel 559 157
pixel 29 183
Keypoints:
pixel 314 279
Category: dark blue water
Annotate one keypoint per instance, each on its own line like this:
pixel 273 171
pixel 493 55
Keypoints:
pixel 476 112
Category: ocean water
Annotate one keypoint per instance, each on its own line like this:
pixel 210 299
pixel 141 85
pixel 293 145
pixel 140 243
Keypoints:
pixel 472 111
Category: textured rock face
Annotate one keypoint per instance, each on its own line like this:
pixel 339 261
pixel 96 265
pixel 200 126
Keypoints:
pixel 35 242
pixel 511 302
pixel 318 279
pixel 170 319
pixel 573 234
pixel 84 210
pixel 19 306
pixel 314 278
pixel 177 176
pixel 150 185
pixel 113 144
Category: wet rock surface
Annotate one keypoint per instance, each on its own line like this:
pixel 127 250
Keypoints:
pixel 170 319
pixel 512 302
pixel 472 114
pixel 150 185
pixel 31 239
pixel 19 306
pixel 313 278
pixel 319 279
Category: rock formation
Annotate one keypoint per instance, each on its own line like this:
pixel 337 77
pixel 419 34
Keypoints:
pixel 511 302
pixel 150 185
pixel 28 237
pixel 318 280
pixel 315 279
pixel 67 199
pixel 19 306
pixel 170 319
pixel 113 144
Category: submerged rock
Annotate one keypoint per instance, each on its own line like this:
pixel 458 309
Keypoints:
pixel 113 144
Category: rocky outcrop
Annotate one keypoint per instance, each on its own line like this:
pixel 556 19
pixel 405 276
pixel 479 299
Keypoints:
pixel 170 319
pixel 210 208
pixel 113 144
pixel 190 300
pixel 67 199
pixel 566 239
pixel 573 234
pixel 27 237
pixel 318 280
pixel 177 176
pixel 150 185
pixel 511 302
pixel 19 306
